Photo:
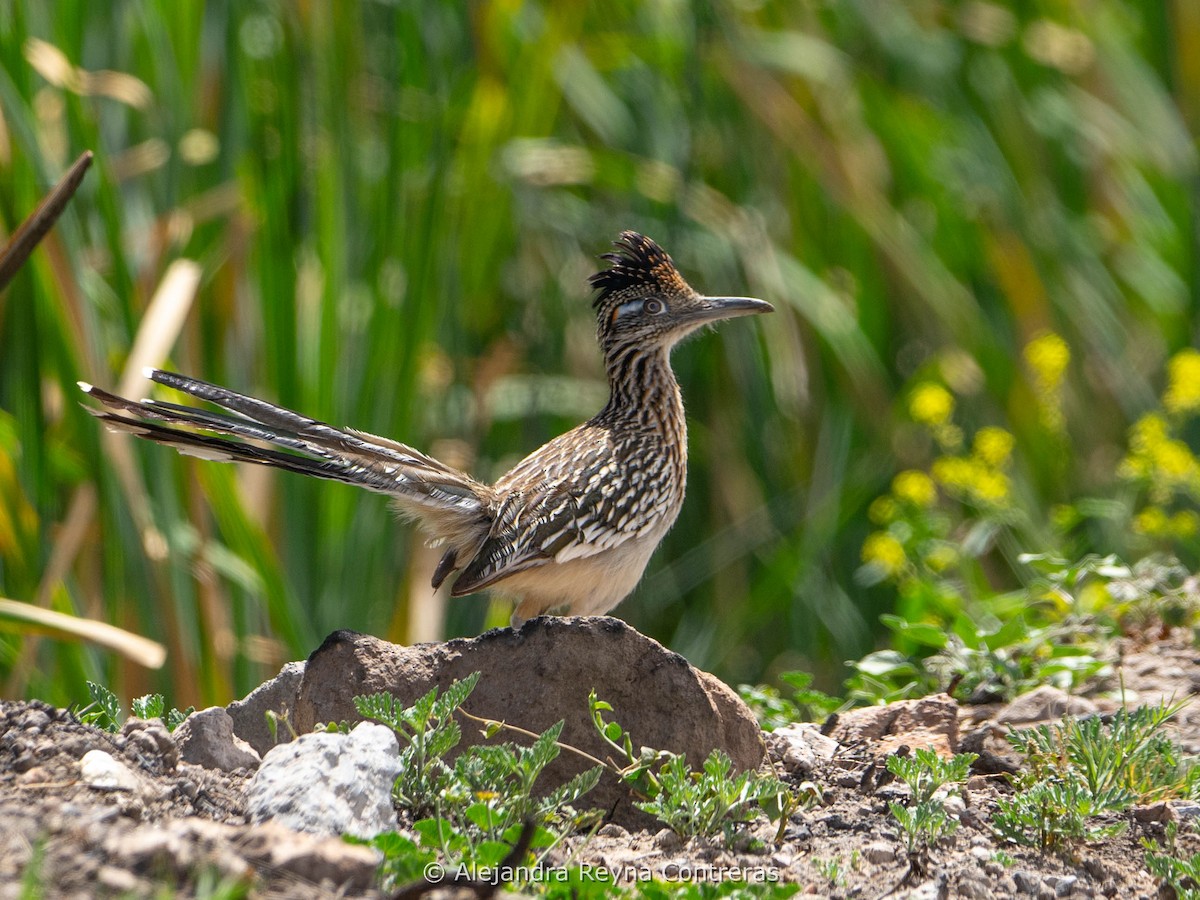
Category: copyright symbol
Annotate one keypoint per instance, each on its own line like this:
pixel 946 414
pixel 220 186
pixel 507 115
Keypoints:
pixel 434 872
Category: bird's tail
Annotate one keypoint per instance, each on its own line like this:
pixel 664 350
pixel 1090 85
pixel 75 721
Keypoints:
pixel 424 488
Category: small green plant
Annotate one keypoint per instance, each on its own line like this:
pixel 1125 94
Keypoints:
pixel 105 709
pixel 1055 815
pixel 925 820
pixel 404 860
pixel 153 706
pixel 480 811
pixel 713 800
pixel 427 731
pixel 1182 875
pixel 835 870
pixel 1080 769
pixel 500 779
pixel 707 802
pixel 1127 752
pixel 774 710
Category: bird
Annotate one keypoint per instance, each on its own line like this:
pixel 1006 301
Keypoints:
pixel 570 529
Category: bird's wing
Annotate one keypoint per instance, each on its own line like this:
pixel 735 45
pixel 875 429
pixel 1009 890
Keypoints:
pixel 576 506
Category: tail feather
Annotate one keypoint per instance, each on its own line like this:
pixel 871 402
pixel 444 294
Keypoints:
pixel 424 487
pixel 315 435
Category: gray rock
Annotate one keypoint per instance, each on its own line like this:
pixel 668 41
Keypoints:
pixel 206 739
pixel 930 890
pixel 1027 882
pixel 538 675
pixel 178 846
pixel 972 888
pixel 1044 704
pixel 879 853
pixel 277 696
pixel 328 783
pixel 800 747
pixel 1185 809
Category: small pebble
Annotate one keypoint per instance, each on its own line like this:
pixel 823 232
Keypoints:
pixel 879 853
pixel 667 840
pixel 99 770
pixel 1026 882
pixel 1066 886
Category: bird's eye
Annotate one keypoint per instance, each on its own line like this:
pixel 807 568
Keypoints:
pixel 654 306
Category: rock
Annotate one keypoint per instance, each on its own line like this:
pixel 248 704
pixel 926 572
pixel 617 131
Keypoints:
pixel 1185 809
pixel 1027 882
pixel 152 743
pixel 313 859
pixel 327 783
pixel 1155 812
pixel 538 675
pixel 277 696
pixel 206 739
pixel 1044 704
pixel 972 888
pixel 879 853
pixel 930 890
pixel 1066 886
pixel 98 769
pixel 119 881
pixel 178 846
pixel 930 722
pixel 799 747
pixel 668 841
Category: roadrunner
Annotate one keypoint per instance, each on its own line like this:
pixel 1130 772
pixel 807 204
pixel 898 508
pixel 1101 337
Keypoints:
pixel 572 527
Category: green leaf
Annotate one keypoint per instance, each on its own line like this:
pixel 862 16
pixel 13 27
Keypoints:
pixel 490 853
pixel 455 696
pixel 109 705
pixel 151 706
pixel 439 834
pixel 175 718
pixel 481 815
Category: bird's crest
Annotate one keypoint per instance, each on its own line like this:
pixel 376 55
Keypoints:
pixel 638 262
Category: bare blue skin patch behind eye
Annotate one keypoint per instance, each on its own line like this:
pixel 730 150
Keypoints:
pixel 633 306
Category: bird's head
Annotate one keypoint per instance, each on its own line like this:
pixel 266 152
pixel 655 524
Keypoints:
pixel 643 301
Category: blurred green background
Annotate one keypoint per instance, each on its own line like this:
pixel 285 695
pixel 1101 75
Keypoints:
pixel 394 207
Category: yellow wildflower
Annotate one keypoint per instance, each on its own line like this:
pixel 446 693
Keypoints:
pixel 1151 521
pixel 1182 396
pixel 1174 460
pixel 972 478
pixel 953 471
pixel 1185 524
pixel 884 551
pixel 882 510
pixel 993 445
pixel 1047 357
pixel 914 487
pixel 990 487
pixel 941 557
pixel 931 404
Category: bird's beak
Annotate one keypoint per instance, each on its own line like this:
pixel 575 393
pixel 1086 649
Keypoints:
pixel 714 308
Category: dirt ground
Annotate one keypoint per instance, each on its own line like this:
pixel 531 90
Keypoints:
pixel 185 826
